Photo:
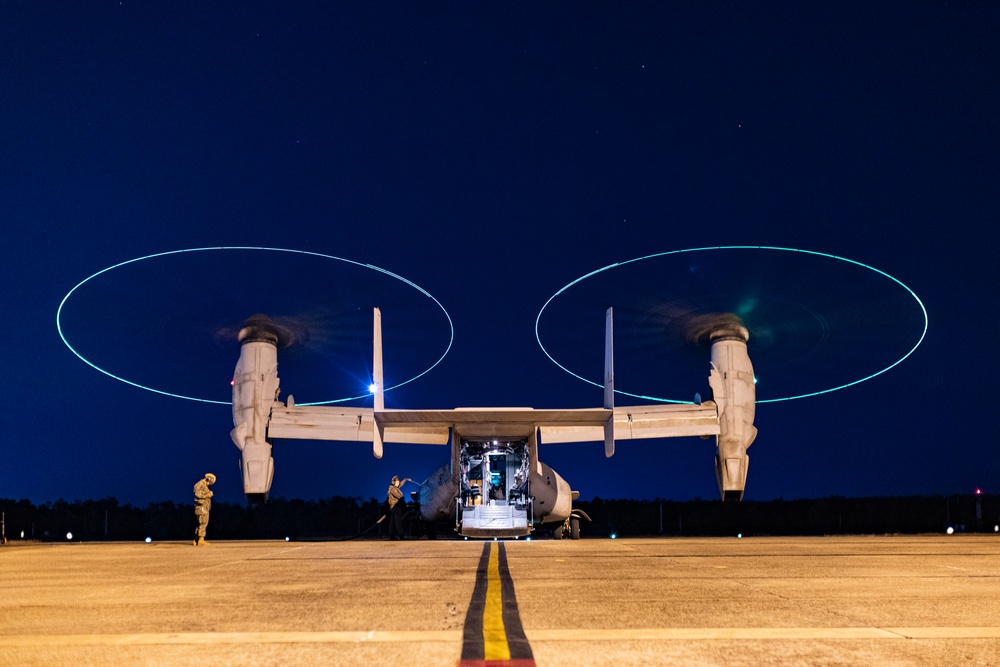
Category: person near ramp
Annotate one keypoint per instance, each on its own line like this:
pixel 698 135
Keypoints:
pixel 397 506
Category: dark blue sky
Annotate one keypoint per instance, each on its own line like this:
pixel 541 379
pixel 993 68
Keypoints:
pixel 491 154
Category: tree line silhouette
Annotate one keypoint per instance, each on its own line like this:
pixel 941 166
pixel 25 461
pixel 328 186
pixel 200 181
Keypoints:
pixel 339 517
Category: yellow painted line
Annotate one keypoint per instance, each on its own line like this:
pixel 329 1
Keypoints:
pixel 948 633
pixel 182 638
pixel 621 634
pixel 494 635
pixel 455 636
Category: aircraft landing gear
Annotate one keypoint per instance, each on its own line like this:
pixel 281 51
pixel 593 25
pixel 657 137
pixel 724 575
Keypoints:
pixel 570 527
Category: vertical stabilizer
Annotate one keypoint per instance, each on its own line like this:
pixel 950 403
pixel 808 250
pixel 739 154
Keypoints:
pixel 379 387
pixel 609 384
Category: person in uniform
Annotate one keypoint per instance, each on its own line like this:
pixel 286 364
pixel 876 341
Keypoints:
pixel 396 507
pixel 202 506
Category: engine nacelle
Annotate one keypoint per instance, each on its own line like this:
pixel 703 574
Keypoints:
pixel 437 496
pixel 553 499
pixel 735 394
pixel 255 390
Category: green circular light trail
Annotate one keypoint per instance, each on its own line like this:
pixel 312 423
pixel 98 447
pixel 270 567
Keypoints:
pixel 59 327
pixel 923 333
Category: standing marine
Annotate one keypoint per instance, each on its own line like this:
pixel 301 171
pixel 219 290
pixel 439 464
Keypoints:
pixel 396 507
pixel 202 506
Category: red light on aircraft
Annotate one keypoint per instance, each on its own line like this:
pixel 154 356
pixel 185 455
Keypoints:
pixel 979 492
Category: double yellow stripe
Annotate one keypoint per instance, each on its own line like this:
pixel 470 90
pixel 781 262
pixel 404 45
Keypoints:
pixel 494 634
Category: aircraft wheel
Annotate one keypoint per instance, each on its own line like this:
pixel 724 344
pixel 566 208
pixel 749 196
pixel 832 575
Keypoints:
pixel 574 528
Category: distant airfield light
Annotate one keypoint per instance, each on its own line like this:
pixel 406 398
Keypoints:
pixel 69 536
pixel 288 539
pixel 739 536
pixel 979 492
pixel 22 534
pixel 528 538
pixel 996 529
pixel 614 536
pixel 950 530
pixel 148 540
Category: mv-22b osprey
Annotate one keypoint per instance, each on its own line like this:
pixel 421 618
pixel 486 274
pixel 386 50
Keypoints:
pixel 495 485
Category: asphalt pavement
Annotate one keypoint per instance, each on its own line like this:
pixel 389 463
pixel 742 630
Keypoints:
pixel 872 600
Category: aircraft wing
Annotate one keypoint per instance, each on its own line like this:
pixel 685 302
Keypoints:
pixel 643 421
pixel 496 422
pixel 427 427
pixel 432 427
pixel 321 422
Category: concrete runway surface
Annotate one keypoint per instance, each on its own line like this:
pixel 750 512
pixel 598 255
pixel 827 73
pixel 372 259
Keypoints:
pixel 880 600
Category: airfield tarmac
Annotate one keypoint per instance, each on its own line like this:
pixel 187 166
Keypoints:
pixel 879 600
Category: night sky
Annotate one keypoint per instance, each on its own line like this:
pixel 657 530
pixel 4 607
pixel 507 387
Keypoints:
pixel 484 156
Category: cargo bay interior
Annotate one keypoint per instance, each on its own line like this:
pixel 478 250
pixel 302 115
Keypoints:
pixel 494 481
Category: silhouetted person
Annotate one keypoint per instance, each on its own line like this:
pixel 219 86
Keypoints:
pixel 396 507
pixel 202 506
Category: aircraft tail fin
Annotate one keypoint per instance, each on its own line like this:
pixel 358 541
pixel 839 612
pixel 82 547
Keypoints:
pixel 379 387
pixel 609 384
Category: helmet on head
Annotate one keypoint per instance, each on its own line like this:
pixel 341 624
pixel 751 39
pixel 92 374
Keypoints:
pixel 210 478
